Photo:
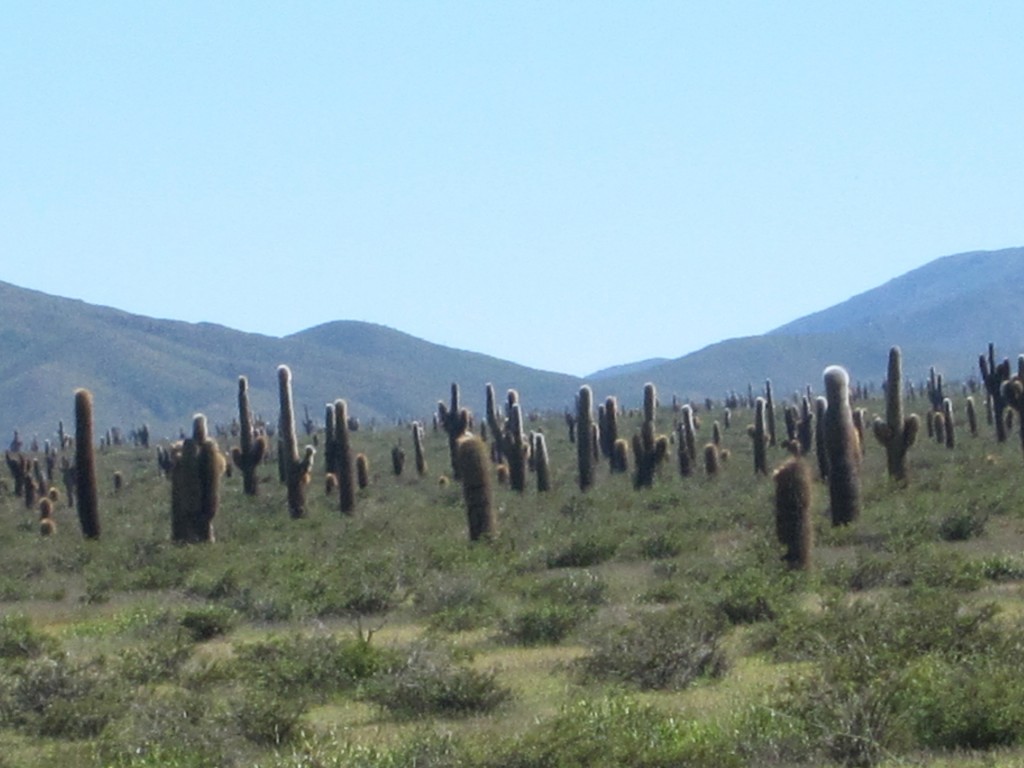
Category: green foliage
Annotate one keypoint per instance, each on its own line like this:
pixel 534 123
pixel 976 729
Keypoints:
pixel 429 682
pixel 663 650
pixel 20 641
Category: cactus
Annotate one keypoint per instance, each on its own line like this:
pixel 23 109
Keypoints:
pixel 417 446
pixel 841 448
pixel 769 412
pixel 758 434
pixel 805 426
pixel 896 433
pixel 195 485
pixel 938 429
pixel 249 455
pixel 972 416
pixel 540 462
pixel 584 435
pixel 509 436
pixel 649 448
pixel 294 468
pixel 362 471
pixel 455 422
pixel 993 376
pixel 609 426
pixel 397 460
pixel 712 463
pixel 794 526
pixel 86 491
pixel 820 452
pixel 345 460
pixel 686 441
pixel 950 426
pixel 475 471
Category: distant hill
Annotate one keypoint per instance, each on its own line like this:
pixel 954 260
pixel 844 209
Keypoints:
pixel 942 314
pixel 160 372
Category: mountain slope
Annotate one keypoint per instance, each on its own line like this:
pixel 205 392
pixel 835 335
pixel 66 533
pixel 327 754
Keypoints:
pixel 160 372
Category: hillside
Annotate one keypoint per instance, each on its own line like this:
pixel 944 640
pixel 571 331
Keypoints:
pixel 160 372
pixel 145 370
pixel 942 314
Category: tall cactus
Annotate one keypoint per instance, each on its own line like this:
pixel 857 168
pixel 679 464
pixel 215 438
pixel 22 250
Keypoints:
pixel 949 423
pixel 993 376
pixel 86 492
pixel 896 433
pixel 686 441
pixel 584 437
pixel 649 448
pixel 759 435
pixel 195 485
pixel 841 448
pixel 455 422
pixel 794 526
pixel 541 463
pixel 417 446
pixel 609 427
pixel 249 455
pixel 475 471
pixel 509 436
pixel 295 468
pixel 769 412
pixel 345 467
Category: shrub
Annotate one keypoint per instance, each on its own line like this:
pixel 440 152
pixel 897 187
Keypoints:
pixel 267 719
pixel 207 622
pixel 20 641
pixel 582 553
pixel 543 623
pixel 429 682
pixel 660 650
pixel 962 525
pixel 454 603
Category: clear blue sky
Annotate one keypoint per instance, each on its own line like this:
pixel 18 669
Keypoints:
pixel 567 185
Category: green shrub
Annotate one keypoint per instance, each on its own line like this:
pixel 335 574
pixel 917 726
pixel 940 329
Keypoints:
pixel 544 623
pixel 582 553
pixel 20 641
pixel 429 682
pixel 207 622
pixel 267 719
pixel 962 525
pixel 454 603
pixel 660 650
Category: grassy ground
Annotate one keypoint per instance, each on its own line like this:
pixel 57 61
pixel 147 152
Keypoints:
pixel 613 627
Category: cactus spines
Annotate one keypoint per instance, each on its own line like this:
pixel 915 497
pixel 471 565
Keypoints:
pixel 345 467
pixel 993 376
pixel 86 491
pixel 294 468
pixel 584 436
pixel 249 455
pixel 841 448
pixel 896 433
pixel 417 445
pixel 794 526
pixel 195 485
pixel 712 465
pixel 475 470
pixel 47 525
pixel 540 462
pixel 620 456
pixel 758 434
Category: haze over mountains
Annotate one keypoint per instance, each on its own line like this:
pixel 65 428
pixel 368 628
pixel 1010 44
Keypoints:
pixel 160 372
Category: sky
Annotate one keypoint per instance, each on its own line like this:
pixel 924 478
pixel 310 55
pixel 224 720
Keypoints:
pixel 567 185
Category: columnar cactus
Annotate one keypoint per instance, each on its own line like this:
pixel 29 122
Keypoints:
pixel 397 460
pixel 295 469
pixel 455 422
pixel 950 426
pixel 475 470
pixel 896 433
pixel 993 376
pixel 609 427
pixel 805 426
pixel 649 448
pixel 758 434
pixel 820 451
pixel 47 525
pixel 794 525
pixel 417 446
pixel 541 464
pixel 362 471
pixel 972 416
pixel 345 468
pixel 769 411
pixel 509 436
pixel 584 435
pixel 86 491
pixel 686 441
pixel 712 463
pixel 249 455
pixel 195 485
pixel 841 448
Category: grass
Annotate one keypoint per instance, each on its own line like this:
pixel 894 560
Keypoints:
pixel 613 627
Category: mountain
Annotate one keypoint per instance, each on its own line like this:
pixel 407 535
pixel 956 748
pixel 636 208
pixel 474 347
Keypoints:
pixel 160 372
pixel 942 314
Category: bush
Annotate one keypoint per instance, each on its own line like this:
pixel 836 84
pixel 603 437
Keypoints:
pixel 582 553
pixel 266 719
pixel 454 603
pixel 544 623
pixel 665 650
pixel 962 525
pixel 429 682
pixel 207 622
pixel 19 641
